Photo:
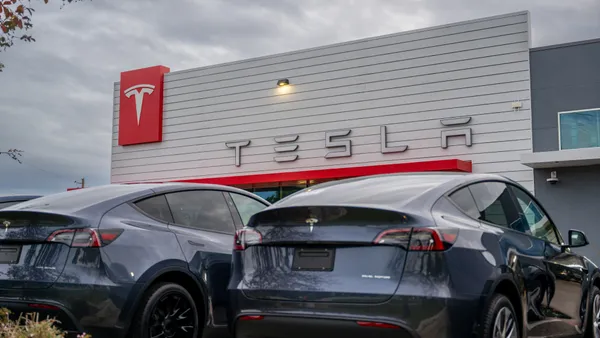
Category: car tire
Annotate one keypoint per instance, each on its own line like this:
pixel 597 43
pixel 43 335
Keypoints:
pixel 168 307
pixel 500 316
pixel 593 314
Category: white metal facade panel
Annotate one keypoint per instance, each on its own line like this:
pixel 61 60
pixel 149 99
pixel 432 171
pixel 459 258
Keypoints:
pixel 407 82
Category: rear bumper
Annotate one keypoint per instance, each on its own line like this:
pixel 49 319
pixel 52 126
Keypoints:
pixel 416 316
pixel 92 309
pixel 64 318
pixel 275 326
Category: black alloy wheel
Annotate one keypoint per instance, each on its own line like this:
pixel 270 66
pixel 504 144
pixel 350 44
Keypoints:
pixel 167 311
pixel 593 320
pixel 500 319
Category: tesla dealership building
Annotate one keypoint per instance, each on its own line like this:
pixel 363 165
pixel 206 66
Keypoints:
pixel 456 97
pixel 434 99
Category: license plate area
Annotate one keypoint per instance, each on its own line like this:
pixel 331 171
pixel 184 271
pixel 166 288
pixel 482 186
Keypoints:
pixel 9 254
pixel 313 259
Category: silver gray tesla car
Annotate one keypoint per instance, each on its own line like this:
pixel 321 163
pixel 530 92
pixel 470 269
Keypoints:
pixel 411 255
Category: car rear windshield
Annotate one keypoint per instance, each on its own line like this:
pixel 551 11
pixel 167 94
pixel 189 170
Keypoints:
pixel 328 215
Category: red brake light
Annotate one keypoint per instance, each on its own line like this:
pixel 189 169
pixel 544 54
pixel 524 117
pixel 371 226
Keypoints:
pixel 84 238
pixel 426 240
pixel 251 318
pixel 379 325
pixel 107 236
pixel 43 306
pixel 419 239
pixel 245 238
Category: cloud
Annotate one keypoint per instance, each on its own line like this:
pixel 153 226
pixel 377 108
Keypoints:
pixel 553 21
pixel 56 93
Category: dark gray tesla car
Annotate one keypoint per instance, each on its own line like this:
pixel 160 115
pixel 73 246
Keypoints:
pixel 142 260
pixel 414 255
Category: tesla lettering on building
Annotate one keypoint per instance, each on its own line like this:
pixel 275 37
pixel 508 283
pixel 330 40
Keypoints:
pixel 342 147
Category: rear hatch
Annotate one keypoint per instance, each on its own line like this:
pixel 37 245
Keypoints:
pixel 34 248
pixel 329 254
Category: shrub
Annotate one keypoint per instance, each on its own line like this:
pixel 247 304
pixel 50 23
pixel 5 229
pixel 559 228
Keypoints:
pixel 29 326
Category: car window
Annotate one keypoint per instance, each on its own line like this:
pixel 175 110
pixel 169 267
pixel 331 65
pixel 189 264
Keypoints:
pixel 156 207
pixel 494 203
pixel 538 223
pixel 464 200
pixel 246 206
pixel 202 209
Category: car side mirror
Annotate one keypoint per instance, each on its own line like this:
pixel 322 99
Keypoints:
pixel 577 239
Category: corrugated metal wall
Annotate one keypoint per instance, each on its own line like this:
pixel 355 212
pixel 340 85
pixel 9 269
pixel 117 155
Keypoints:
pixel 407 82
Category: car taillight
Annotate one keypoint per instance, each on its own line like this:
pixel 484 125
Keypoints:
pixel 85 238
pixel 378 325
pixel 43 306
pixel 247 318
pixel 419 239
pixel 245 238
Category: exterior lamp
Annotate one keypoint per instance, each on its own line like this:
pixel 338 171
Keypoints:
pixel 283 82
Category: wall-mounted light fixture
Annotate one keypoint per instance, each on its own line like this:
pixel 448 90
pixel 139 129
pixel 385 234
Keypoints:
pixel 553 178
pixel 283 82
pixel 516 105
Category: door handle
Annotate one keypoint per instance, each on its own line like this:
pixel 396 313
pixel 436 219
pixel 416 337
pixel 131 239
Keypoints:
pixel 195 243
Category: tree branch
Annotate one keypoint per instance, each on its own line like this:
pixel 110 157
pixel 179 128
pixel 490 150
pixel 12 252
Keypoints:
pixel 14 154
pixel 15 17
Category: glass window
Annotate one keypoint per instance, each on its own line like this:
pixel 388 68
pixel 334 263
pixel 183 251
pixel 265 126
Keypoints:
pixel 494 203
pixel 246 206
pixel 202 209
pixel 270 194
pixel 580 129
pixel 464 200
pixel 156 207
pixel 539 225
pixel 286 191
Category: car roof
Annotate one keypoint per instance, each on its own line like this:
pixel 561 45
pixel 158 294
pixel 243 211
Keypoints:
pixel 95 201
pixel 13 198
pixel 72 202
pixel 400 192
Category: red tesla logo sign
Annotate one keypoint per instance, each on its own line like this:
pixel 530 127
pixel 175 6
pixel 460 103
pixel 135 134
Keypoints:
pixel 141 105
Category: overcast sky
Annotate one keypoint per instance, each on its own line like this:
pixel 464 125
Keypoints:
pixel 56 93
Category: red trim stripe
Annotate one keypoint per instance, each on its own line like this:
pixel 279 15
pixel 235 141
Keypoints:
pixel 441 165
